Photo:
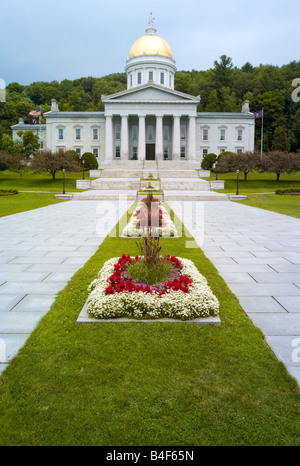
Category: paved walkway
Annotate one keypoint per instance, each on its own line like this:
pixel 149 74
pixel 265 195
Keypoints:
pixel 40 250
pixel 257 252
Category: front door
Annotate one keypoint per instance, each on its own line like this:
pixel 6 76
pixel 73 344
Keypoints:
pixel 150 151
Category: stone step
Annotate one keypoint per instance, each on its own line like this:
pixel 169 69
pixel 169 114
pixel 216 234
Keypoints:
pixel 116 173
pixel 194 196
pixel 115 183
pixel 184 184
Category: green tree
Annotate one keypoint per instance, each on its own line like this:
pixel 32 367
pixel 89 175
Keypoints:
pixel 222 71
pixel 9 145
pixel 52 162
pixel 30 143
pixel 281 140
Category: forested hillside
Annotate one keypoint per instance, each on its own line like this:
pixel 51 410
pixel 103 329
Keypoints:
pixel 222 88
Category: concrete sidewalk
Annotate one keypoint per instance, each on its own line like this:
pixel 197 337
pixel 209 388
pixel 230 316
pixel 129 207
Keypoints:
pixel 40 250
pixel 257 252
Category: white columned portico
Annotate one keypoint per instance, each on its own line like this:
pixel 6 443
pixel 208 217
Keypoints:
pixel 159 138
pixel 124 137
pixel 142 137
pixel 192 138
pixel 176 138
pixel 108 137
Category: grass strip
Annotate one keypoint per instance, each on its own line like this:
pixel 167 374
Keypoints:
pixel 25 201
pixel 146 384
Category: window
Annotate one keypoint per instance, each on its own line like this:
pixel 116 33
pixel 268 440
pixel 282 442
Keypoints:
pixel 150 133
pixel 182 152
pixel 182 131
pixel 134 132
pixel 205 134
pixel 78 150
pixel 222 150
pixel 162 78
pixel 204 152
pixel 130 77
pixel 95 133
pixel 150 75
pixel 139 77
pixel 166 152
pixel 166 133
pixel 118 152
pixel 95 152
pixel 77 133
pixel 222 134
pixel 170 81
pixel 240 135
pixel 60 133
pixel 118 131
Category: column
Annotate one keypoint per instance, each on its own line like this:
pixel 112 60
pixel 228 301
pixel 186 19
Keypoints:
pixel 142 137
pixel 176 138
pixel 108 137
pixel 124 137
pixel 192 138
pixel 159 149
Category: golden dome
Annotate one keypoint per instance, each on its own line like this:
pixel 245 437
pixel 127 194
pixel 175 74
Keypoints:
pixel 150 44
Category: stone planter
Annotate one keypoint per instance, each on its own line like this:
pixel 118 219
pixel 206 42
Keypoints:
pixel 95 173
pixel 217 184
pixel 83 184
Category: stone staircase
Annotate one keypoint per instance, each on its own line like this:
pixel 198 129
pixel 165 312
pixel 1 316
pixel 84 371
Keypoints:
pixel 178 180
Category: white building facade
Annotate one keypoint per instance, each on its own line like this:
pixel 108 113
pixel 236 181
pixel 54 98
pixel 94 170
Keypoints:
pixel 149 120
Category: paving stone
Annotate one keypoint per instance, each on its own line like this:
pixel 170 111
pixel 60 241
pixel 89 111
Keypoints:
pixel 290 303
pixel 8 301
pixel 19 322
pixel 260 304
pixel 35 303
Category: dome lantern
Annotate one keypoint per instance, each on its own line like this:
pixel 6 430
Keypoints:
pixel 150 59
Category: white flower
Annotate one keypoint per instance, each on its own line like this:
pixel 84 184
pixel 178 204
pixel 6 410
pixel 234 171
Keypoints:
pixel 167 229
pixel 198 302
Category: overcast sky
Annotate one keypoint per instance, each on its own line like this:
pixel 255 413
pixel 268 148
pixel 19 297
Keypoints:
pixel 68 39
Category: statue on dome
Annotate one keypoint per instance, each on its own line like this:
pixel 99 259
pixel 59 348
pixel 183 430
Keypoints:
pixel 151 20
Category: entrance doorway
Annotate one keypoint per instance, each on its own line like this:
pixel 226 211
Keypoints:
pixel 150 151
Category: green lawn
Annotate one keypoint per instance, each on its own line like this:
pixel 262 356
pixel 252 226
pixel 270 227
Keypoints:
pixel 146 384
pixel 287 205
pixel 40 181
pixel 25 201
pixel 257 182
pixel 35 190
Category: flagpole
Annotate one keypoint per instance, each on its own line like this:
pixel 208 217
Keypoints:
pixel 262 133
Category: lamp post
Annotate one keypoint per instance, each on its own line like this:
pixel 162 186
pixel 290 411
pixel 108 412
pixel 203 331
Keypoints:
pixel 237 182
pixel 216 165
pixel 64 191
pixel 83 170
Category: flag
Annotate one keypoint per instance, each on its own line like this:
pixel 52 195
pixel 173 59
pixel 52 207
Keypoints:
pixel 258 114
pixel 35 113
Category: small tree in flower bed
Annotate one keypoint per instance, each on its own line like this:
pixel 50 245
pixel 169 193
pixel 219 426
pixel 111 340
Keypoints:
pixel 151 217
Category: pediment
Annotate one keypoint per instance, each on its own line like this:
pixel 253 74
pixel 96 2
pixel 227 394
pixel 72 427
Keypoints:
pixel 150 93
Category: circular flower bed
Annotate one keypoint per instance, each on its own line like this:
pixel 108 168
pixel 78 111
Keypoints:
pixel 184 295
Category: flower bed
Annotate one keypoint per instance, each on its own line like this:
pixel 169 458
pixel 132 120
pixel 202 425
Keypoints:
pixel 184 295
pixel 153 216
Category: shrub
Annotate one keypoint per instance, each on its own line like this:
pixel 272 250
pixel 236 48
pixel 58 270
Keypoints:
pixel 90 161
pixel 8 192
pixel 208 161
pixel 291 191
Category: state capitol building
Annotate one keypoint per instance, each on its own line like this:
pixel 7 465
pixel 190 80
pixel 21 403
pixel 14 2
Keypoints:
pixel 149 120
